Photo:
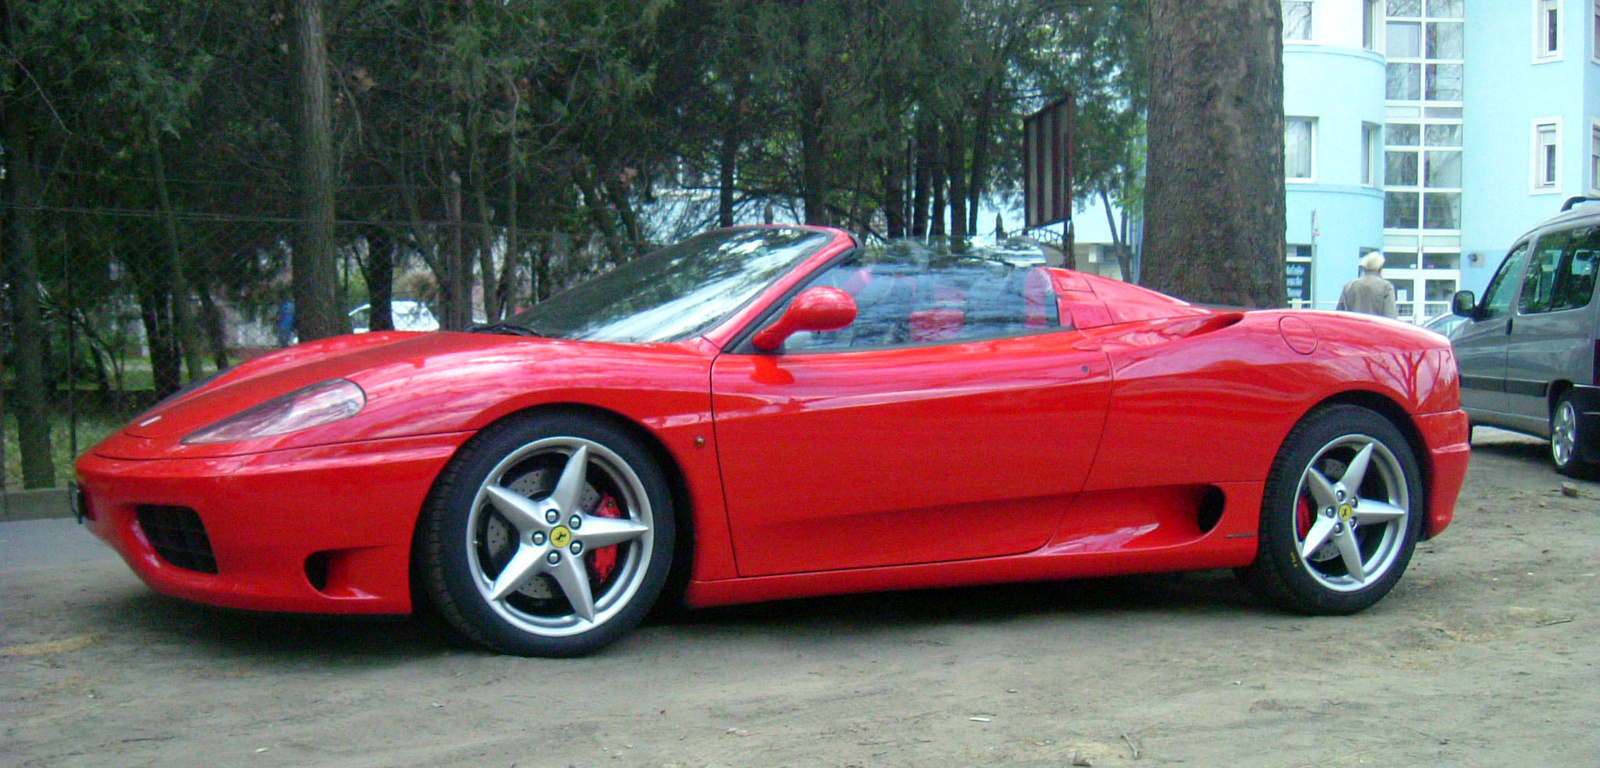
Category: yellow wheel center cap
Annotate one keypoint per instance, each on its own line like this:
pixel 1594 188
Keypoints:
pixel 561 536
pixel 1346 512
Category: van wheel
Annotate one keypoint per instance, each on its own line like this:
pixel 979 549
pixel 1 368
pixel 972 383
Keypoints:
pixel 1567 437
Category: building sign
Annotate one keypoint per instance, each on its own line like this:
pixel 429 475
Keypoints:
pixel 1047 164
pixel 1297 276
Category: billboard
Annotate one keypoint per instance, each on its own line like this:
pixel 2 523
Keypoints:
pixel 1047 164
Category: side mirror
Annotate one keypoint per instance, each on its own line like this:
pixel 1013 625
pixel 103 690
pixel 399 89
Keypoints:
pixel 1463 303
pixel 816 309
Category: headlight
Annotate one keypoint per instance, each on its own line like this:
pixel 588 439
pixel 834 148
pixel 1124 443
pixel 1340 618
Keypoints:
pixel 312 406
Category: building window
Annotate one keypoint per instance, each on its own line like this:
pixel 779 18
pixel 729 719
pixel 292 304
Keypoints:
pixel 1441 210
pixel 1594 44
pixel 1546 30
pixel 1405 82
pixel 1545 165
pixel 1594 156
pixel 1370 142
pixel 1299 148
pixel 1297 20
pixel 1371 22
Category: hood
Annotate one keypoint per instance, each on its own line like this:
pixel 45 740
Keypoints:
pixel 415 384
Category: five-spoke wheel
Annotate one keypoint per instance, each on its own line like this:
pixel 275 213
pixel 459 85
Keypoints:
pixel 1340 515
pixel 548 535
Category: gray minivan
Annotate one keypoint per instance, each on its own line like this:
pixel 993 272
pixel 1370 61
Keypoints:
pixel 1528 353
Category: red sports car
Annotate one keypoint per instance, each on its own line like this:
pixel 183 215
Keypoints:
pixel 775 412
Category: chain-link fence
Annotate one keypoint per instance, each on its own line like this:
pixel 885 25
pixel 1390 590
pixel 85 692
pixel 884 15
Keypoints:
pixel 137 303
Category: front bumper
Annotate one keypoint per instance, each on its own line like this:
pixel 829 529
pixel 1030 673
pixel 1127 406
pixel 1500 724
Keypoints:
pixel 313 530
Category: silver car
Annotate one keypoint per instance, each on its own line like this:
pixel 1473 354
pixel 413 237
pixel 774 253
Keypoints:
pixel 1528 354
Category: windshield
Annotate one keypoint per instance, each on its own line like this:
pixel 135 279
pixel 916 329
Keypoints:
pixel 676 292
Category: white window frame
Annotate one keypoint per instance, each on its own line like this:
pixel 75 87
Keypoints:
pixel 1594 156
pixel 1594 31
pixel 1543 11
pixel 1311 142
pixel 1544 167
pixel 1373 23
pixel 1372 151
pixel 1311 22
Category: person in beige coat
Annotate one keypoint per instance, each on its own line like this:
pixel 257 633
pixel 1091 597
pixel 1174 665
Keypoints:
pixel 1370 293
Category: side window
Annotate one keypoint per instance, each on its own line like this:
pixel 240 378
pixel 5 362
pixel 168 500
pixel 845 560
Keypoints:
pixel 1497 299
pixel 1539 284
pixel 1575 277
pixel 914 296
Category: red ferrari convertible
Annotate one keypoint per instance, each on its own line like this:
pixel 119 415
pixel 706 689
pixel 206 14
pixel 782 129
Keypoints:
pixel 775 412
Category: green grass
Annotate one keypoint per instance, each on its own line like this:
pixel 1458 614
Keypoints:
pixel 98 414
pixel 91 429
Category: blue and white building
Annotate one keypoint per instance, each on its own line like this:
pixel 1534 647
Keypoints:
pixel 1433 130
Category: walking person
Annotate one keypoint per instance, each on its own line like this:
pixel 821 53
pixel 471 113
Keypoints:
pixel 1370 293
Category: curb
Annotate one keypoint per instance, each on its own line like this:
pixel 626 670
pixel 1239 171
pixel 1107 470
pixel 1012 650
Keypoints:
pixel 38 504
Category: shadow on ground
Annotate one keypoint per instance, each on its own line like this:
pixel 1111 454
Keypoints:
pixel 149 619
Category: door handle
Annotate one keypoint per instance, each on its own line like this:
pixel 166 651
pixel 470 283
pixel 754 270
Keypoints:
pixel 1508 325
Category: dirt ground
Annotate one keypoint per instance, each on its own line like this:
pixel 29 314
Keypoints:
pixel 1485 655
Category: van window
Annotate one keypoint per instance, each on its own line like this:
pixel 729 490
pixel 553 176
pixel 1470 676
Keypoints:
pixel 1539 286
pixel 1561 272
pixel 1497 299
pixel 1575 280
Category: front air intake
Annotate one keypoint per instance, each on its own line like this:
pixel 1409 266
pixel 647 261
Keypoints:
pixel 178 537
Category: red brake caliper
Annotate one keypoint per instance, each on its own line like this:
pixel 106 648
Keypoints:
pixel 603 561
pixel 1302 517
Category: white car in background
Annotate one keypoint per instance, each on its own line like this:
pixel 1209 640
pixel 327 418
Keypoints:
pixel 408 316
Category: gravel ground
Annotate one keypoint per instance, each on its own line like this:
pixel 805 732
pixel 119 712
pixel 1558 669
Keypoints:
pixel 1483 656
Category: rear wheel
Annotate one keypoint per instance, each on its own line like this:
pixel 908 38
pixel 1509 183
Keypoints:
pixel 548 535
pixel 1567 437
pixel 1340 515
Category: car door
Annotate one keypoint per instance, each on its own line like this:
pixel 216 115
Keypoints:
pixel 1480 345
pixel 1551 339
pixel 941 425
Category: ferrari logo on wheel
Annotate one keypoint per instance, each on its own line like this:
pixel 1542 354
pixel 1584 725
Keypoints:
pixel 560 537
pixel 1345 512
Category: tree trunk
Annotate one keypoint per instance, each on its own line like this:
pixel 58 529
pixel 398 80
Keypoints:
pixel 922 186
pixel 983 124
pixel 894 203
pixel 936 177
pixel 813 166
pixel 728 154
pixel 617 192
pixel 378 269
pixel 315 272
pixel 513 257
pixel 177 284
pixel 216 333
pixel 22 273
pixel 156 313
pixel 600 214
pixel 956 171
pixel 1118 238
pixel 1214 201
pixel 455 283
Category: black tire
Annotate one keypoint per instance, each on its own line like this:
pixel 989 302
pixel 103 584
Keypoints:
pixel 525 552
pixel 1568 438
pixel 1325 547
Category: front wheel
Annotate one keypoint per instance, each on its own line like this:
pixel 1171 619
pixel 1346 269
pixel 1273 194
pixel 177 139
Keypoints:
pixel 1340 515
pixel 548 535
pixel 1567 438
